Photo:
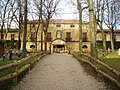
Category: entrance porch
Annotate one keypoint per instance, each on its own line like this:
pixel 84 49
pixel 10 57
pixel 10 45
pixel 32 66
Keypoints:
pixel 58 46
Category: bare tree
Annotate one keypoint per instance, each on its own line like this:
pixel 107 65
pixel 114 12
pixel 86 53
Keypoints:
pixel 25 29
pixel 80 24
pixel 38 13
pixel 80 9
pixel 4 8
pixel 7 15
pixel 20 21
pixel 112 18
pixel 99 16
pixel 92 27
pixel 44 11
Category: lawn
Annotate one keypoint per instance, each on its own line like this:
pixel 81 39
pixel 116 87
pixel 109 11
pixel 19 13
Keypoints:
pixel 7 61
pixel 111 59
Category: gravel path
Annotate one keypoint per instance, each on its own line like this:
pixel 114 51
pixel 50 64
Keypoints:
pixel 59 72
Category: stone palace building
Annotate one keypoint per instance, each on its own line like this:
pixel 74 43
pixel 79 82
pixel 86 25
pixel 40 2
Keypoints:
pixel 62 35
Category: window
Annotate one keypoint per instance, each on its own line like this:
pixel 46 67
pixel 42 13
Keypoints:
pixel 49 37
pixel 58 34
pixel 58 25
pixel 33 37
pixel 72 25
pixel 85 39
pixel 68 36
pixel 12 36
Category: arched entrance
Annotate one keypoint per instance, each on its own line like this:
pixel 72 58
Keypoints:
pixel 58 46
pixel 85 48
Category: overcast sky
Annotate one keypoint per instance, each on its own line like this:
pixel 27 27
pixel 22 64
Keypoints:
pixel 68 10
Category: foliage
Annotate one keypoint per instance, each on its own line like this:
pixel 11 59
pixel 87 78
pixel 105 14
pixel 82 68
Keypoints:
pixel 10 43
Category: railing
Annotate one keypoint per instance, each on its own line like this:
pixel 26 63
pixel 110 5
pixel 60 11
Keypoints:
pixel 96 63
pixel 68 39
pixel 17 67
pixel 49 39
pixel 85 39
pixel 33 39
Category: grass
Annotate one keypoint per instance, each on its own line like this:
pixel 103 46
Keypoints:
pixel 112 62
pixel 111 59
pixel 14 57
pixel 8 83
pixel 5 62
pixel 110 55
pixel 5 72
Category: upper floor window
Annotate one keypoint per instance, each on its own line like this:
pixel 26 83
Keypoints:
pixel 48 39
pixel 68 36
pixel 33 37
pixel 85 39
pixel 58 34
pixel 58 25
pixel 72 25
pixel 12 36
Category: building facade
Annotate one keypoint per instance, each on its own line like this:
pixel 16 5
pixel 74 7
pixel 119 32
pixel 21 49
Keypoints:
pixel 62 36
pixel 108 38
pixel 12 34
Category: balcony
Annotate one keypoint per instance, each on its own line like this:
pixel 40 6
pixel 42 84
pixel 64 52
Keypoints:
pixel 85 39
pixel 68 39
pixel 49 39
pixel 33 39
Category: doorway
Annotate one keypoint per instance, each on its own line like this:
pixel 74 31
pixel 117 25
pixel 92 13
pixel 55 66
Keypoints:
pixel 58 48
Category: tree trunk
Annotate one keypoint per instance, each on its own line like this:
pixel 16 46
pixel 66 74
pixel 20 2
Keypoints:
pixel 41 25
pixel 42 38
pixel 45 40
pixel 2 32
pixel 25 28
pixel 112 40
pixel 103 37
pixel 36 42
pixel 20 24
pixel 92 29
pixel 80 25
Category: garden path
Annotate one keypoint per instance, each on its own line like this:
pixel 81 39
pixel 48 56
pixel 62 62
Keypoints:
pixel 59 72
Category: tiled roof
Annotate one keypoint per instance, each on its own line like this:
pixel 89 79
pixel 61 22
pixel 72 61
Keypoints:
pixel 108 30
pixel 58 21
pixel 14 29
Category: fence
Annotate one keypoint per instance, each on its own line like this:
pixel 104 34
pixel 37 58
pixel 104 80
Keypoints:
pixel 96 63
pixel 17 67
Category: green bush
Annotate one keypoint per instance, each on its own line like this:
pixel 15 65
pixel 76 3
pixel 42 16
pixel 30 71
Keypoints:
pixel 10 43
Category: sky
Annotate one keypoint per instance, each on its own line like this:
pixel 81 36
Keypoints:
pixel 68 10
